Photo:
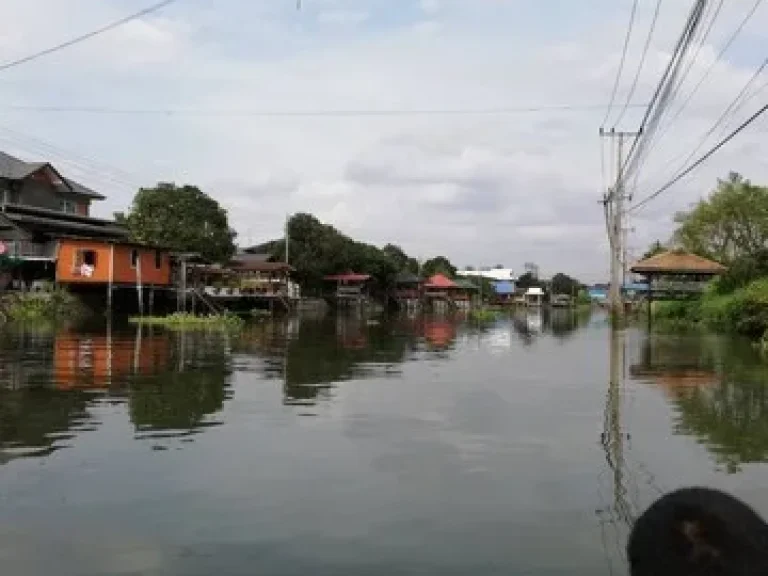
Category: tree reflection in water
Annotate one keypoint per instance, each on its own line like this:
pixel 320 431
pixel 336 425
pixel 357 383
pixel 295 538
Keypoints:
pixel 717 385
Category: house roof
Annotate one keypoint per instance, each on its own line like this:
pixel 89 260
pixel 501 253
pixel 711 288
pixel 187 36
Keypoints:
pixel 58 224
pixel 260 266
pixel 347 277
pixel 81 190
pixel 13 168
pixel 440 281
pixel 465 284
pixel 504 288
pixel 677 262
pixel 407 278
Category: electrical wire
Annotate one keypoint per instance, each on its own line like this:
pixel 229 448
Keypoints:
pixel 701 160
pixel 52 149
pixel 636 79
pixel 735 105
pixel 660 99
pixel 106 110
pixel 711 67
pixel 620 71
pixel 88 36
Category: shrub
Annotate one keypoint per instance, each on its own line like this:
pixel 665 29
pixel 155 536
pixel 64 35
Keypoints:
pixel 44 306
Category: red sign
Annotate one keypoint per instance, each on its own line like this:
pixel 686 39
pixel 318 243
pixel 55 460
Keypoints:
pixel 3 248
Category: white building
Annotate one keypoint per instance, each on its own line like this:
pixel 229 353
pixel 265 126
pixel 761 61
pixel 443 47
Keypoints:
pixel 494 274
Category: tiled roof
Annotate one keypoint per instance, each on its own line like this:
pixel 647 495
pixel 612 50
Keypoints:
pixel 440 281
pixel 677 262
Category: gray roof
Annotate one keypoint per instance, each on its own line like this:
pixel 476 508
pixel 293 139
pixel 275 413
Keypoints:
pixel 406 277
pixel 250 258
pixel 13 168
pixel 78 188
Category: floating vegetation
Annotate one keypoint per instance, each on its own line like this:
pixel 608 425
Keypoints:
pixel 182 320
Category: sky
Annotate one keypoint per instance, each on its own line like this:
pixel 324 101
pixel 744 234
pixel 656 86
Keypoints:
pixel 224 94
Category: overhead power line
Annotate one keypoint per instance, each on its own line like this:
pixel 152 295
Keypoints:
pixel 620 71
pixel 730 110
pixel 636 79
pixel 711 67
pixel 309 113
pixel 701 160
pixel 88 36
pixel 660 99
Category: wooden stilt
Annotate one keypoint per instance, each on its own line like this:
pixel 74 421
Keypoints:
pixel 151 300
pixel 139 287
pixel 111 279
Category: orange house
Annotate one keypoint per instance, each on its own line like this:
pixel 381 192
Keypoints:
pixel 116 262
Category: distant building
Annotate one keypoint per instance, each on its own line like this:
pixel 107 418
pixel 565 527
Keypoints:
pixel 493 274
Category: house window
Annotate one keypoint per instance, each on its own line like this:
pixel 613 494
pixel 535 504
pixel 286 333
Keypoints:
pixel 84 256
pixel 68 206
pixel 158 259
pixel 134 258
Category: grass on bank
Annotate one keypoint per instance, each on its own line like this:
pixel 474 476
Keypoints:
pixel 182 320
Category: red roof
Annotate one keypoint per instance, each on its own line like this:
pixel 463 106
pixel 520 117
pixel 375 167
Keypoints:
pixel 440 281
pixel 348 277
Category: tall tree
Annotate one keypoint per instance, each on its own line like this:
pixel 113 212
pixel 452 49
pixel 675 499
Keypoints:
pixel 527 280
pixel 400 259
pixel 182 218
pixel 731 223
pixel 318 249
pixel 439 265
pixel 564 284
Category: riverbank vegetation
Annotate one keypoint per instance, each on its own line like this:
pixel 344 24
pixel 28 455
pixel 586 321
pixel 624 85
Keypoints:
pixel 183 321
pixel 731 226
pixel 484 314
pixel 46 306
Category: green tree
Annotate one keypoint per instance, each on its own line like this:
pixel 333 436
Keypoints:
pixel 317 250
pixel 564 284
pixel 439 265
pixel 527 280
pixel 182 218
pixel 731 223
pixel 401 260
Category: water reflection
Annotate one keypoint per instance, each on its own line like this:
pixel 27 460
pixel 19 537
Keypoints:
pixel 51 384
pixel 718 387
pixel 562 323
pixel 317 355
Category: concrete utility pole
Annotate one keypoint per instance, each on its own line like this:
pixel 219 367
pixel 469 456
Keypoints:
pixel 287 237
pixel 614 202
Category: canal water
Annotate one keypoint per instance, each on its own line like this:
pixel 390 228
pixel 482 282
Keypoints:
pixel 363 447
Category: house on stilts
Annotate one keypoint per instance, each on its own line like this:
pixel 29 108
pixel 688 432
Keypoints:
pixel 48 234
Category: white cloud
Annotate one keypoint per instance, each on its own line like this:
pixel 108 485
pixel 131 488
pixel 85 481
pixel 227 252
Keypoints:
pixel 343 17
pixel 478 188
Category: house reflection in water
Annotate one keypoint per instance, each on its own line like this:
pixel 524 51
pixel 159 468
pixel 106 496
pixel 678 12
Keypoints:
pixel 97 361
pixel 440 334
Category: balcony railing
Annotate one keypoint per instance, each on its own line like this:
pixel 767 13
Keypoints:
pixel 26 249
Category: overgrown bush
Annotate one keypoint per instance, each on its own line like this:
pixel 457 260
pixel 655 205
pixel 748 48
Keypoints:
pixel 46 306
